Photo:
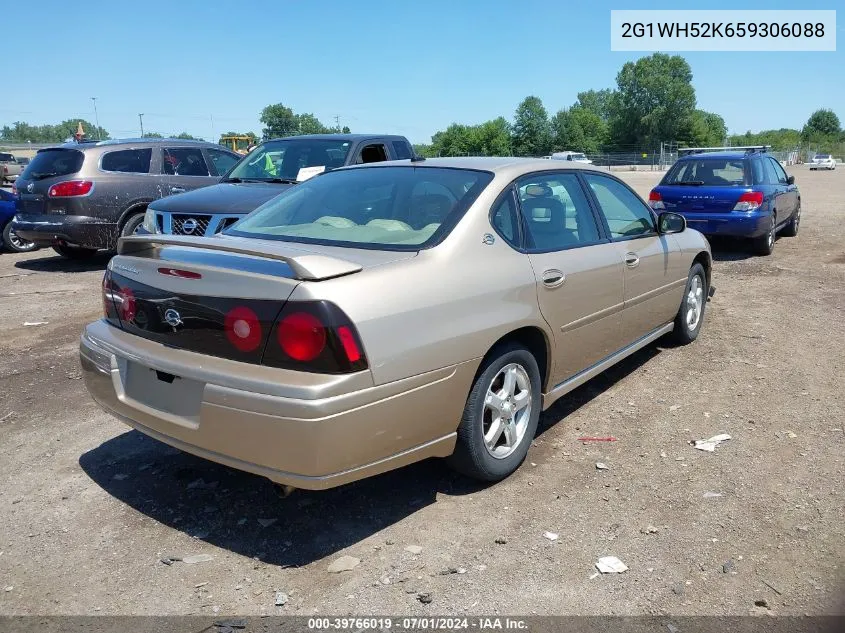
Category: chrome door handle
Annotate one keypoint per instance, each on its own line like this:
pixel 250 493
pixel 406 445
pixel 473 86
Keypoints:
pixel 177 190
pixel 553 278
pixel 631 260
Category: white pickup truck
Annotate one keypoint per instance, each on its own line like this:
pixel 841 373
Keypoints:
pixel 10 168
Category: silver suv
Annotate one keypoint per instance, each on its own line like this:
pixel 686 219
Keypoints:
pixel 81 197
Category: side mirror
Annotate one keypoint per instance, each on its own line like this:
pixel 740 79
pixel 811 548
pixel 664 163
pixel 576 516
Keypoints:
pixel 790 180
pixel 668 222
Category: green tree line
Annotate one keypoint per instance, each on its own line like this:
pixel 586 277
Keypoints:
pixel 654 101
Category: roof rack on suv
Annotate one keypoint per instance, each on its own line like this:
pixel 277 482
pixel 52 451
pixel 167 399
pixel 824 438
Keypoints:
pixel 748 149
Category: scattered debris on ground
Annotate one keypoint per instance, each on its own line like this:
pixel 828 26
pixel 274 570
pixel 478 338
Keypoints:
pixel 611 565
pixel 710 444
pixel 344 563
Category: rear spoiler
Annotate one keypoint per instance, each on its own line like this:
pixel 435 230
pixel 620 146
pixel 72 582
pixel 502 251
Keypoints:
pixel 307 267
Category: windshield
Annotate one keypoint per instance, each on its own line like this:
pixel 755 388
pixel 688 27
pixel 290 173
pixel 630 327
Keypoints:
pixel 579 157
pixel 291 159
pixel 822 156
pixel 712 172
pixel 388 208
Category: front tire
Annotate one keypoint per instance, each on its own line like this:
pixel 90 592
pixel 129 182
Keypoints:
pixel 501 415
pixel 690 315
pixel 74 252
pixel 14 243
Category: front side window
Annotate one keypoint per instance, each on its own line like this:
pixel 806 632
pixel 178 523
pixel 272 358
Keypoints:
pixel 374 153
pixel 709 172
pixel 555 212
pixel 390 208
pixel 183 162
pixel 626 214
pixel 134 161
pixel 222 161
pixel 287 158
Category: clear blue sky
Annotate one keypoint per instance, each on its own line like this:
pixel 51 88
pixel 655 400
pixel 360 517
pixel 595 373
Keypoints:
pixel 381 66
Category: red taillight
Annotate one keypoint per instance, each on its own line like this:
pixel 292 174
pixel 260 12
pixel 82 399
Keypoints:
pixel 350 346
pixel 126 308
pixel 315 336
pixel 302 336
pixel 749 201
pixel 243 328
pixel 655 200
pixel 71 188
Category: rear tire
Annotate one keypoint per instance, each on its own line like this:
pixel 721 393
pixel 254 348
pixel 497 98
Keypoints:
pixel 791 229
pixel 501 415
pixel 690 315
pixel 15 244
pixel 74 252
pixel 765 244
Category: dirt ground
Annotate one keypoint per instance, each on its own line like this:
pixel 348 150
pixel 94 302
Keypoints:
pixel 88 507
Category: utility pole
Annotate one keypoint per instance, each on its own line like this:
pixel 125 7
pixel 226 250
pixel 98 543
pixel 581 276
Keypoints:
pixel 337 122
pixel 96 117
pixel 141 119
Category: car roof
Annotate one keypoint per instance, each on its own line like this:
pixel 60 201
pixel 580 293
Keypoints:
pixel 337 137
pixel 733 155
pixel 508 166
pixel 134 141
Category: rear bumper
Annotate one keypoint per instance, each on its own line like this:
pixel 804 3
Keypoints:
pixel 308 431
pixel 78 230
pixel 735 223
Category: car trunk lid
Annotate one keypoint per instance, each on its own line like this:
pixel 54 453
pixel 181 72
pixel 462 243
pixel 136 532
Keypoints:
pixel 220 295
pixel 699 198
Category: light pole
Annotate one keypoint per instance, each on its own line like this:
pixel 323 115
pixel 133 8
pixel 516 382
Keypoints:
pixel 96 117
pixel 141 119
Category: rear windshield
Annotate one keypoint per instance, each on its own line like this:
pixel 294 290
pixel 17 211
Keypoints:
pixel 53 162
pixel 822 156
pixel 713 172
pixel 7 158
pixel 288 158
pixel 388 208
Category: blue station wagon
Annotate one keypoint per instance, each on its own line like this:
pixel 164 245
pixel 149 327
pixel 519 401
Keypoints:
pixel 744 192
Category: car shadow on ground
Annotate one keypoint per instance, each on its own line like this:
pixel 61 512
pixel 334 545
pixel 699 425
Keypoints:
pixel 726 249
pixel 59 264
pixel 246 514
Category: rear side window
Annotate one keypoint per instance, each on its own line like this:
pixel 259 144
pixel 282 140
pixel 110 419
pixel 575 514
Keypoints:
pixel 7 158
pixel 771 174
pixel 133 161
pixel 709 172
pixel 54 162
pixel 758 172
pixel 401 149
pixel 780 174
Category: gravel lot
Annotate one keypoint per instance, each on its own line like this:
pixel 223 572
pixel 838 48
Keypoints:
pixel 88 508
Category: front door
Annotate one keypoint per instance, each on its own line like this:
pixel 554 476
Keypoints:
pixel 654 279
pixel 787 201
pixel 184 169
pixel 578 271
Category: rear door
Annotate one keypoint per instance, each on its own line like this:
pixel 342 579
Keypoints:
pixel 578 271
pixel 654 278
pixel 787 195
pixel 184 169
